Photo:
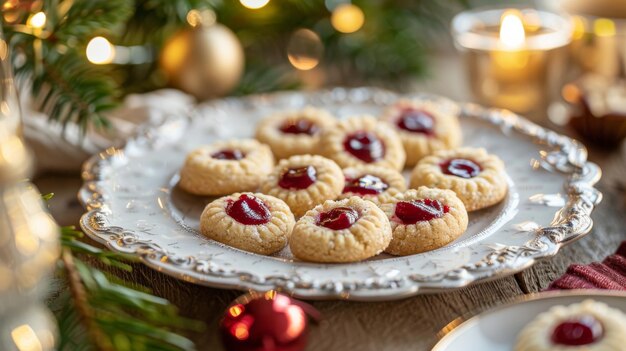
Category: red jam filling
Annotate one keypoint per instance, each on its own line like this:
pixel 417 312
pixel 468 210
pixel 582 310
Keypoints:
pixel 228 155
pixel 338 218
pixel 365 185
pixel 416 121
pixel 365 146
pixel 298 178
pixel 411 212
pixel 299 126
pixel 249 210
pixel 583 331
pixel 460 167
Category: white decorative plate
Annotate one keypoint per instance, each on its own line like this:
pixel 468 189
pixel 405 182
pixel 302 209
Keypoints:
pixel 487 332
pixel 135 207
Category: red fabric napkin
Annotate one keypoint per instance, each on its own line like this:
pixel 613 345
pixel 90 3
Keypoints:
pixel 609 275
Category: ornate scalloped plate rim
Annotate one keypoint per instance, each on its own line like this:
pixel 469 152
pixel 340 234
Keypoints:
pixel 571 222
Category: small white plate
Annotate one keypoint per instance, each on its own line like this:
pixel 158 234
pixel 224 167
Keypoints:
pixel 497 329
pixel 135 206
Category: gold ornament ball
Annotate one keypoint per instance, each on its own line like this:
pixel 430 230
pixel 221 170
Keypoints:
pixel 206 60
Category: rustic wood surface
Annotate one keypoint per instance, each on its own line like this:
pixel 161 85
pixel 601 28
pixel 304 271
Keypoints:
pixel 409 324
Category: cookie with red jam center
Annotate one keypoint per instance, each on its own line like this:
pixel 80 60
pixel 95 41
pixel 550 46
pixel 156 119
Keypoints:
pixel 424 219
pixel 248 221
pixel 304 181
pixel 362 141
pixel 295 132
pixel 477 177
pixel 225 167
pixel 348 230
pixel 589 326
pixel 372 183
pixel 423 127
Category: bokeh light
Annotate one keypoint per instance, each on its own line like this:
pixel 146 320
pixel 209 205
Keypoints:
pixel 4 49
pixel 579 27
pixel 26 339
pixel 100 51
pixel 241 331
pixel 37 20
pixel 304 49
pixel 571 93
pixel 10 12
pixel 201 17
pixel 347 18
pixel 236 310
pixel 254 4
pixel 604 27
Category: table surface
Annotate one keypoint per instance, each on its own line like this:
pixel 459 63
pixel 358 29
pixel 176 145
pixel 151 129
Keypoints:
pixel 410 324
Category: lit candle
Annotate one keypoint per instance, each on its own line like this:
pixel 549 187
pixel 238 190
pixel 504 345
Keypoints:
pixel 514 56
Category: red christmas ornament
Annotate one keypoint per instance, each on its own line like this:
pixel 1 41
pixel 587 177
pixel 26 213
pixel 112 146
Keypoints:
pixel 266 322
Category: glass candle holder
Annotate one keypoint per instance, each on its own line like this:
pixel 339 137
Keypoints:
pixel 515 57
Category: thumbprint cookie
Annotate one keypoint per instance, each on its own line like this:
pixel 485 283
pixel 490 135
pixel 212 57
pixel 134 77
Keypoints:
pixel 588 326
pixel 476 176
pixel 359 141
pixel 348 230
pixel 423 128
pixel 424 219
pixel 252 222
pixel 372 183
pixel 295 132
pixel 304 181
pixel 226 167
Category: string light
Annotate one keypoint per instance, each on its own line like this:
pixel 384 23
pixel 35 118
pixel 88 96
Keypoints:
pixel 37 21
pixel 254 4
pixel 100 51
pixel 347 18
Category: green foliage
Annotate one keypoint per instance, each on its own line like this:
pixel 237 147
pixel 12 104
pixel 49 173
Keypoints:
pixel 265 78
pixel 72 333
pixel 131 319
pixel 63 83
pixel 390 46
pixel 47 197
pixel 105 312
pixel 99 311
pixel 70 239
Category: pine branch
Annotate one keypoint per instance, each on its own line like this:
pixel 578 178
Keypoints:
pixel 75 91
pixel 64 84
pixel 79 298
pixel 73 335
pixel 84 18
pixel 113 315
pixel 260 78
pixel 70 239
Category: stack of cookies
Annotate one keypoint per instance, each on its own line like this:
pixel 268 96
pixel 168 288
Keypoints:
pixel 341 180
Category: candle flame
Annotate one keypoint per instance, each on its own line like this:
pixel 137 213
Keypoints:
pixel 512 35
